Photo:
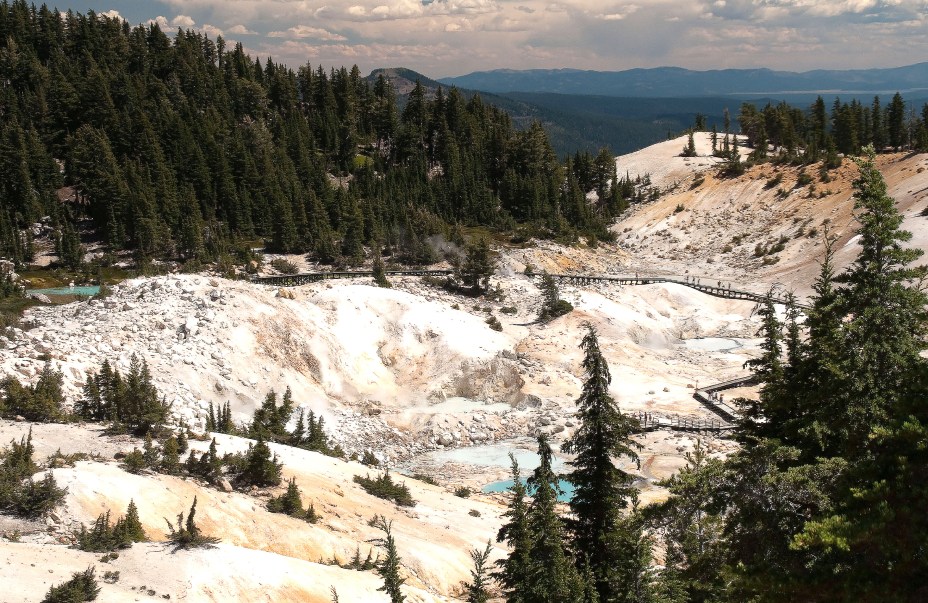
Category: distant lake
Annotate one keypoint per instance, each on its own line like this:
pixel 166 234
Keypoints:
pixel 87 291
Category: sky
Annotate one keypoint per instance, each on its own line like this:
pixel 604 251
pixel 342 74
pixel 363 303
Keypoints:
pixel 453 37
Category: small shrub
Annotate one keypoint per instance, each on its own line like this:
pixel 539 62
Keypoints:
pixel 81 587
pixel 425 478
pixel 774 181
pixel 187 535
pixel 291 503
pixel 494 323
pixel 474 513
pixel 727 249
pixel 111 577
pixel 463 492
pixel 134 462
pixel 678 208
pixel 770 260
pixel 813 232
pixel 284 266
pixel 509 310
pixel 697 182
pixel 370 459
pixel 59 460
pixel 106 537
pixel 36 498
pixel 384 487
pixel 803 180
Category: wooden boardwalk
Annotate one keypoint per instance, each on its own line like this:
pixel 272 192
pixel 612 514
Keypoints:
pixel 695 283
pixel 295 280
pixel 708 396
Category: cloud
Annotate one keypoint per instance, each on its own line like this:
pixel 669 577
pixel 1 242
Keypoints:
pixel 443 37
pixel 112 14
pixel 241 30
pixel 183 21
pixel 307 31
pixel 211 30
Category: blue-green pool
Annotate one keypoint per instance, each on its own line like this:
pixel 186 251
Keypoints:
pixel 567 488
pixel 84 291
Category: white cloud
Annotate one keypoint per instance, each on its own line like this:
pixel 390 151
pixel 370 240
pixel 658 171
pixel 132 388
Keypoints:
pixel 211 30
pixel 241 30
pixel 160 21
pixel 307 31
pixel 594 34
pixel 112 14
pixel 183 21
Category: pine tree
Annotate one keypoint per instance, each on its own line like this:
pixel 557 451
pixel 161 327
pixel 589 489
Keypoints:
pixel 895 122
pixel 291 503
pixel 692 531
pixel 389 568
pixel 170 456
pixel 690 149
pixel 478 266
pixel 81 587
pixel 187 535
pixel 132 526
pixel 476 590
pixel 601 490
pixel 513 572
pixel 552 305
pixel 888 324
pixel 261 468
pixel 150 453
pixel 379 276
pixel 551 575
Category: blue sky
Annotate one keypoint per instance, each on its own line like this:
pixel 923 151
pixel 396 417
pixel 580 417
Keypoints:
pixel 453 37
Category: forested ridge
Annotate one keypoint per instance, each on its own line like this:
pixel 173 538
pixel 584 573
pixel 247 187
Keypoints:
pixel 182 148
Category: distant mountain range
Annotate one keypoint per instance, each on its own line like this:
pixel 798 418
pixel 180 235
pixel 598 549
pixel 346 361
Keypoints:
pixel 628 110
pixel 675 82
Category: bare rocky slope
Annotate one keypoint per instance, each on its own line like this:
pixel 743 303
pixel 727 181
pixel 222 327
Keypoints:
pixel 416 375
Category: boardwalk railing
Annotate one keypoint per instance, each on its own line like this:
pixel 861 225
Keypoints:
pixel 696 283
pixel 649 422
pixel 294 280
pixel 708 396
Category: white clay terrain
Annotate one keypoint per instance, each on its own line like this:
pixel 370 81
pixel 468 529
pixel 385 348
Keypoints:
pixel 426 386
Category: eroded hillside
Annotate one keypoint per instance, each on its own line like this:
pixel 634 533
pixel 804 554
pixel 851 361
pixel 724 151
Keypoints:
pixel 764 227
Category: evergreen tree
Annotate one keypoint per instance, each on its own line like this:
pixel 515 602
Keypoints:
pixel 513 571
pixel 132 526
pixel 379 276
pixel 552 305
pixel 81 587
pixel 261 468
pixel 389 568
pixel 477 267
pixel 690 149
pixel 601 490
pixel 888 325
pixel 187 534
pixel 693 537
pixel 895 122
pixel 476 590
pixel 291 503
pixel 551 576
